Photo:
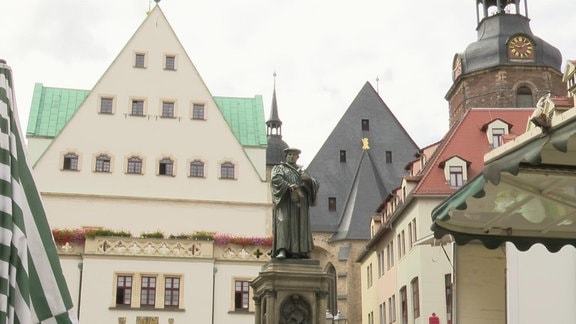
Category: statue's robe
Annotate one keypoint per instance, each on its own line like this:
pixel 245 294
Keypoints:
pixel 292 230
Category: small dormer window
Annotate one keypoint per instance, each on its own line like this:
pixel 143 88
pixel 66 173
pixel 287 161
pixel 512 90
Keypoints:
pixel 455 171
pixel 495 132
pixel 497 137
pixel 342 156
pixel 456 176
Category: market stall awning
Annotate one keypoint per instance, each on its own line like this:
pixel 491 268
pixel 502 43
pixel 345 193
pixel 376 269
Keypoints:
pixel 526 193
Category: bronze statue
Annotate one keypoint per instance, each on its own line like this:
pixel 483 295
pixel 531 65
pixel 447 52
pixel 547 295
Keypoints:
pixel 293 192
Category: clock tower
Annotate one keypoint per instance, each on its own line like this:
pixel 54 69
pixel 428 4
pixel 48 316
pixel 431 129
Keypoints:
pixel 508 66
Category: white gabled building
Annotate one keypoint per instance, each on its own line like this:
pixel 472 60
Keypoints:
pixel 149 149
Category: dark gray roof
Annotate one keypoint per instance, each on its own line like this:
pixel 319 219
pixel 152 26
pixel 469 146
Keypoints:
pixel 490 50
pixel 361 183
pixel 275 150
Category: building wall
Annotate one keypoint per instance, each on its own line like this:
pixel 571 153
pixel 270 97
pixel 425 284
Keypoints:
pixel 480 273
pixel 497 88
pixel 539 285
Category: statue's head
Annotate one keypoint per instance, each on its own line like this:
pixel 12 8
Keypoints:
pixel 291 154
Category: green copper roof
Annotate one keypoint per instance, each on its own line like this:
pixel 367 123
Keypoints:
pixel 245 116
pixel 51 109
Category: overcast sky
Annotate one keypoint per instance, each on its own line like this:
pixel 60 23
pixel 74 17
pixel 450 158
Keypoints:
pixel 323 52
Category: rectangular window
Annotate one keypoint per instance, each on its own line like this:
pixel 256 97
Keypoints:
pixel 448 293
pixel 342 156
pixel 380 263
pixel 388 157
pixel 392 309
pixel 369 275
pixel 403 306
pixel 102 164
pixel 365 125
pixel 371 318
pixel 414 232
pixel 70 162
pixel 241 295
pixel 171 292
pixel 137 108
pixel 198 111
pixel 148 291
pixel 332 204
pixel 415 297
pixel 168 109
pixel 134 165
pixel 197 169
pixel 227 170
pixel 123 290
pixel 383 313
pixel 391 253
pixel 166 167
pixel 403 242
pixel 139 60
pixel 456 176
pixel 106 105
pixel 399 245
pixel 170 63
pixel 410 240
pixel 497 137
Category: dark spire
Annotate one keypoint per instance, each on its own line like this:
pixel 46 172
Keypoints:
pixel 276 146
pixel 274 123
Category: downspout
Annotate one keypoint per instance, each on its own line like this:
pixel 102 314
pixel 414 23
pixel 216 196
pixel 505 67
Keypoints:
pixel 80 267
pixel 214 270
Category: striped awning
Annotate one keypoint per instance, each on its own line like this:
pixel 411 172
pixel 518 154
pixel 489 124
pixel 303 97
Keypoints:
pixel 525 195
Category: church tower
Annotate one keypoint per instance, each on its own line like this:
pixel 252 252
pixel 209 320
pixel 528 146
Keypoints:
pixel 508 66
pixel 276 145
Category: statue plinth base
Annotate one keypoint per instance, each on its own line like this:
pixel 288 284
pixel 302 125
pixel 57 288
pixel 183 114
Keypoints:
pixel 291 291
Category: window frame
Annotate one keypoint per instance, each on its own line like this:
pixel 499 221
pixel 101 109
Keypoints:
pixel 103 164
pixel 170 62
pixel 332 204
pixel 148 290
pixel 241 295
pixel 342 156
pixel 172 293
pixel 456 176
pixel 197 169
pixel 134 165
pixel 227 170
pixel 137 107
pixel 166 167
pixel 415 286
pixel 140 60
pixel 365 125
pixel 498 136
pixel 71 162
pixel 124 289
pixel 168 109
pixel 106 105
pixel 198 111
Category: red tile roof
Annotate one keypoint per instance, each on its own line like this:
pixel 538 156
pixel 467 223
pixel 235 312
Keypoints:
pixel 467 140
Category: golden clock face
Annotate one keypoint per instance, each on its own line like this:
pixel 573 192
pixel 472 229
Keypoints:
pixel 520 47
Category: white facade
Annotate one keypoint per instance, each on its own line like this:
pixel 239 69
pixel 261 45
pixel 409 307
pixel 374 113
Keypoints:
pixel 155 200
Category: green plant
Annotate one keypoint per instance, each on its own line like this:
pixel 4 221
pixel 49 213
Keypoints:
pixel 156 234
pixel 203 235
pixel 106 232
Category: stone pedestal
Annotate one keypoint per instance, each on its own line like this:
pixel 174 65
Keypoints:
pixel 291 291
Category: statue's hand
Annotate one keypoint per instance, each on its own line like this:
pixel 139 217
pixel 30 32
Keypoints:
pixel 305 176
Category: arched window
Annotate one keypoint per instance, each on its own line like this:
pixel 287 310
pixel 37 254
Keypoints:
pixel 70 162
pixel 102 163
pixel 197 169
pixel 332 291
pixel 227 170
pixel 524 97
pixel 166 167
pixel 134 165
